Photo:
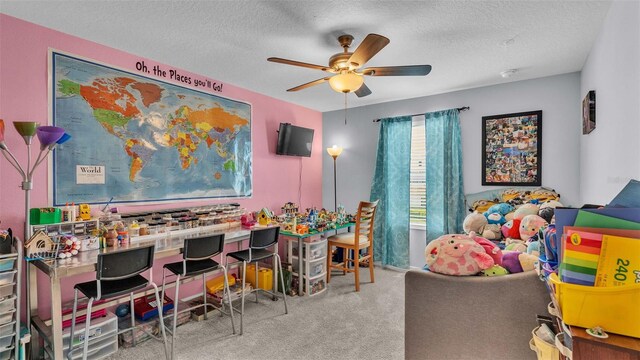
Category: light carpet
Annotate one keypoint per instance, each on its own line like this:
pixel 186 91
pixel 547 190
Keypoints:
pixel 337 324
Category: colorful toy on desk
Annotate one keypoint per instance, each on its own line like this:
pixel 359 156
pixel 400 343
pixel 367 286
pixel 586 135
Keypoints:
pixel 290 209
pixel 265 216
pixel 85 211
pixel 40 245
pixel 248 220
pixel 302 229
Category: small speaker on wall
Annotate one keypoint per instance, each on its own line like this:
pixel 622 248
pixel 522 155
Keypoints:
pixel 589 112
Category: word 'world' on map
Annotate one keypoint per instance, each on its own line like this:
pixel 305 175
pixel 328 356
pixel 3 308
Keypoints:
pixel 157 141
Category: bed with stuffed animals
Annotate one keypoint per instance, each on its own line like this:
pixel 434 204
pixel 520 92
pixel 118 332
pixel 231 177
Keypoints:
pixel 479 297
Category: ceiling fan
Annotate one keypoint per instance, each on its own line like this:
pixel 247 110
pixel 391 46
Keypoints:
pixel 347 66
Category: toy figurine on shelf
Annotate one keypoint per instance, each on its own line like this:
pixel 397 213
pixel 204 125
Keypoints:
pixel 313 217
pixel 342 215
pixel 290 226
pixel 248 220
pixel 290 209
pixel 302 229
pixel 265 217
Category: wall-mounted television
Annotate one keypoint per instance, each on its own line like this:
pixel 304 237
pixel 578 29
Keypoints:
pixel 294 140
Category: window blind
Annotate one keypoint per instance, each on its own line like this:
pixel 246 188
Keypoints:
pixel 417 187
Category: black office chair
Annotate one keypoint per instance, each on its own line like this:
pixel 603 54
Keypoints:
pixel 197 260
pixel 259 241
pixel 118 274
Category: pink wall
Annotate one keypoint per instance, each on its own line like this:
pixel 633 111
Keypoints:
pixel 24 96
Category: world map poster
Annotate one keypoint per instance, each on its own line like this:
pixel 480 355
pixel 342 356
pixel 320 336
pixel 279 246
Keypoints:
pixel 153 140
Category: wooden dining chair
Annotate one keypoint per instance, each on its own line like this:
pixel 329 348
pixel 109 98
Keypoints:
pixel 351 247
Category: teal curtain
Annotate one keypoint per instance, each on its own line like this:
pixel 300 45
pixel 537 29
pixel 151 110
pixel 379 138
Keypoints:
pixel 391 186
pixel 445 192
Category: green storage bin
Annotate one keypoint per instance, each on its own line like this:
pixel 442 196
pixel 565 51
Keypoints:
pixel 40 216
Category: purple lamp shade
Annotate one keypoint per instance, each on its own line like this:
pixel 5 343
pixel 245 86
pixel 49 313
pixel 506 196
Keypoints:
pixel 65 137
pixel 49 135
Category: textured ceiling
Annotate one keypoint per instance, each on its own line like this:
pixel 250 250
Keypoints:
pixel 231 40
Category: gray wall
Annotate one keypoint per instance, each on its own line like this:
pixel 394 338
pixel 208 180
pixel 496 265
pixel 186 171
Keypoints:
pixel 610 155
pixel 557 96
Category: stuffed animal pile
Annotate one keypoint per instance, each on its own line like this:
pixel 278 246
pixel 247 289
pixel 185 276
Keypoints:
pixel 501 235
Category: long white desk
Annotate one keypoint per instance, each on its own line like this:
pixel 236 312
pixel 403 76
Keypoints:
pixel 85 262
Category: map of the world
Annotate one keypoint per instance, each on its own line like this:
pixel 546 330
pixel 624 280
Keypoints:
pixel 155 140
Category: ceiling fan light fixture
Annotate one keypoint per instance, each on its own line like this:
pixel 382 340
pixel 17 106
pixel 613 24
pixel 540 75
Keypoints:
pixel 346 82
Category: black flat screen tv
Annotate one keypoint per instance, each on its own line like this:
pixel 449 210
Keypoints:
pixel 294 140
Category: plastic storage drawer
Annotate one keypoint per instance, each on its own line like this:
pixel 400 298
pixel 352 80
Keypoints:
pixel 99 327
pixel 6 290
pixel 6 341
pixel 99 350
pixel 7 277
pixel 315 250
pixel 6 317
pixel 7 264
pixel 5 354
pixel 7 304
pixel 316 285
pixel 316 267
pixel 8 329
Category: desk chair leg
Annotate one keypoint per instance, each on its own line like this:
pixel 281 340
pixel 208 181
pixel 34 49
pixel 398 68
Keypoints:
pixel 257 284
pixel 226 289
pixel 284 296
pixel 204 297
pixel 175 318
pixel 274 289
pixel 244 279
pixel 73 322
pixel 356 263
pixel 373 280
pixel 163 287
pixel 345 263
pixel 133 320
pixel 329 264
pixel 161 318
pixel 87 324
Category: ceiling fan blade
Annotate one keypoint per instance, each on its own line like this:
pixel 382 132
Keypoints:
pixel 297 63
pixel 363 91
pixel 309 84
pixel 368 48
pixel 409 70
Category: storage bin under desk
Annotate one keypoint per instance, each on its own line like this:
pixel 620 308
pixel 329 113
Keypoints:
pixel 103 338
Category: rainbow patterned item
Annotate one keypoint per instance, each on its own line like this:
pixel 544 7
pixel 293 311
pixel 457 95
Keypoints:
pixel 580 257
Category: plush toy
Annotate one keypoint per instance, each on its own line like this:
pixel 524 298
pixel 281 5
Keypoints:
pixel 492 232
pixel 516 262
pixel 515 245
pixel 533 248
pixel 509 216
pixel 550 204
pixel 456 254
pixel 530 225
pixel 543 195
pixel 495 270
pixel 515 197
pixel 546 213
pixel 489 247
pixel 482 205
pixel 475 222
pixel 511 229
pixel 502 209
pixel 496 218
pixel 524 210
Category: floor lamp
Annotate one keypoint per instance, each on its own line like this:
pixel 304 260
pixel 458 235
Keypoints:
pixel 335 151
pixel 49 137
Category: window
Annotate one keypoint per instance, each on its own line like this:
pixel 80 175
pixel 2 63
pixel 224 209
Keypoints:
pixel 418 186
